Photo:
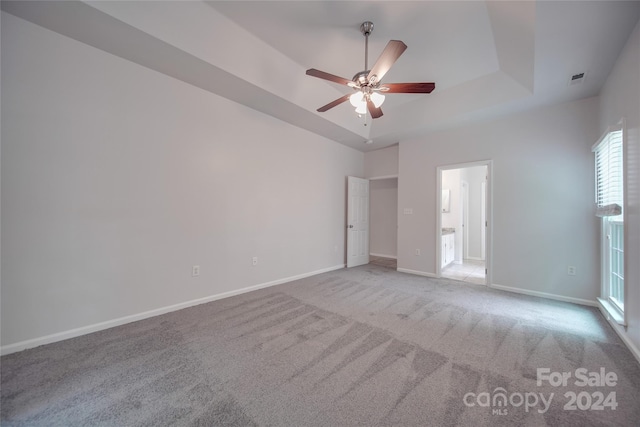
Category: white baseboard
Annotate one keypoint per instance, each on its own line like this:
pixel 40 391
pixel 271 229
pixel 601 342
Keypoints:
pixel 620 331
pixel 515 290
pixel 383 255
pixel 416 272
pixel 545 295
pixel 72 333
pixel 634 350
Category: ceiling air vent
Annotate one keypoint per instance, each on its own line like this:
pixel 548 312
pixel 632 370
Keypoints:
pixel 576 79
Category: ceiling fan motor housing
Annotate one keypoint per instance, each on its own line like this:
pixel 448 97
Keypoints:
pixel 361 78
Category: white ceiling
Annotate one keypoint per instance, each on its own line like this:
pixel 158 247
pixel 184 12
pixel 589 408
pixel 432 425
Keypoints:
pixel 487 58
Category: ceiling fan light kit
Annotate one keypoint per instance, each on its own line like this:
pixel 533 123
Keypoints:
pixel 367 83
pixel 377 99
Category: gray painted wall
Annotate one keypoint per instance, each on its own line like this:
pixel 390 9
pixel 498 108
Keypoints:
pixel 542 196
pixel 620 97
pixel 117 179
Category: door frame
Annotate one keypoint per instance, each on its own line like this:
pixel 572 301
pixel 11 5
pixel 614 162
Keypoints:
pixel 464 185
pixel 488 213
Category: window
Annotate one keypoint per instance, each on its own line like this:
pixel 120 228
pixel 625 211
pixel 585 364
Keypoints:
pixel 609 162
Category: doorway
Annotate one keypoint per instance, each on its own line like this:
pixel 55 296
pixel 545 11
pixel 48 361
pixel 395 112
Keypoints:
pixel 463 225
pixel 383 220
pixel 372 221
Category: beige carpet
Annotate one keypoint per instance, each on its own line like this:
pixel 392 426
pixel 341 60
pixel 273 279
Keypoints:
pixel 361 347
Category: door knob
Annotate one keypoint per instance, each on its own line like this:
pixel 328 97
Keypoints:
pixel 350 226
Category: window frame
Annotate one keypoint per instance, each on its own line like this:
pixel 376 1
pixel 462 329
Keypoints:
pixel 618 313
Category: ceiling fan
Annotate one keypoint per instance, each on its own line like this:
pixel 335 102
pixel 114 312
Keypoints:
pixel 367 84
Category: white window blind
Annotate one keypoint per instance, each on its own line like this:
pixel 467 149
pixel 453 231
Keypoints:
pixel 609 186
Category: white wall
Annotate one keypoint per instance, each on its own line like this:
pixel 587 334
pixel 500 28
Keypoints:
pixel 620 97
pixel 383 217
pixel 453 218
pixel 542 197
pixel 451 182
pixel 382 162
pixel 475 176
pixel 117 179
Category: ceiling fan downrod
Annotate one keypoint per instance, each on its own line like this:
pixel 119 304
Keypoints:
pixel 366 28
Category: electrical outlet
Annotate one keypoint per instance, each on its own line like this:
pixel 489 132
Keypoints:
pixel 571 270
pixel 195 271
pixel 417 252
pixel 255 260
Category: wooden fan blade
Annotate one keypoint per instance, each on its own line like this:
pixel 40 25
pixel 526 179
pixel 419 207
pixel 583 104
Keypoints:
pixel 387 58
pixel 326 76
pixel 375 112
pixel 407 87
pixel 333 104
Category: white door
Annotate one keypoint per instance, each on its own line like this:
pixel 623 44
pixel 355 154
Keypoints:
pixel 483 219
pixel 357 221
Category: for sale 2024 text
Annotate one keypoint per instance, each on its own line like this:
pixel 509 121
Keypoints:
pixel 582 377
